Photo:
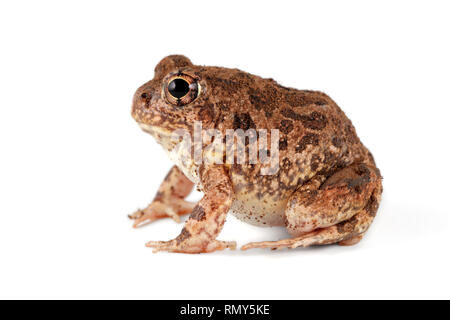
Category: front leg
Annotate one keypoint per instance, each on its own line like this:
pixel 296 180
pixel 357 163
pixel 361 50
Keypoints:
pixel 207 219
pixel 169 200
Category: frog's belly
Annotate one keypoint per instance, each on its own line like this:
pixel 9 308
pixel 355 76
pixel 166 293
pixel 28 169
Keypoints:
pixel 259 212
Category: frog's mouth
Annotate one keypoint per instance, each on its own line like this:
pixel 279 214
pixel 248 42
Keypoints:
pixel 148 128
pixel 162 135
pixel 155 131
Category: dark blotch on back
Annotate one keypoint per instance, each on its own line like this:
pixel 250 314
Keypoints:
pixel 315 120
pixel 264 99
pixel 298 99
pixel 337 142
pixel 307 139
pixel 286 126
pixel 243 121
pixel 283 144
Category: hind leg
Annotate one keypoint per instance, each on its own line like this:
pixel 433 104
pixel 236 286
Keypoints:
pixel 337 210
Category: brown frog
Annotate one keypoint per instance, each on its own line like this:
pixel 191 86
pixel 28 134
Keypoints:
pixel 325 189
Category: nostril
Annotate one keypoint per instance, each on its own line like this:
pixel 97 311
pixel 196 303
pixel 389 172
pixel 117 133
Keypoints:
pixel 146 97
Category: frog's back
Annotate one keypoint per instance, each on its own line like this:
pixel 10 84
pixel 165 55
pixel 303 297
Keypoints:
pixel 315 138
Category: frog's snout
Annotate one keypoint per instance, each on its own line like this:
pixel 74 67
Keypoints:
pixel 143 100
pixel 141 104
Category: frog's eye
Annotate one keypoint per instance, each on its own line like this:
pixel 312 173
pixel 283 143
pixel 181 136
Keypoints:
pixel 181 89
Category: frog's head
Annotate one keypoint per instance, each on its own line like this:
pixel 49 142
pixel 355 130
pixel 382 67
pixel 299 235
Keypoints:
pixel 174 99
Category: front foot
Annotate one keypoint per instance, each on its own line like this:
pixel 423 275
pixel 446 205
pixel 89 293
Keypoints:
pixel 190 246
pixel 207 218
pixel 158 209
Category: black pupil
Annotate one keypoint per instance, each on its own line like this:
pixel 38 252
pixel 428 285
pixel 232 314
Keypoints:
pixel 178 88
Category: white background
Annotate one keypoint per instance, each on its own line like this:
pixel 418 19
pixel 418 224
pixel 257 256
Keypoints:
pixel 73 163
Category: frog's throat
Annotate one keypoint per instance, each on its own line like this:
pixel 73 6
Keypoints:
pixel 180 155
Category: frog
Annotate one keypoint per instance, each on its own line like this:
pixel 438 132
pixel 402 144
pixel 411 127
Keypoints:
pixel 325 189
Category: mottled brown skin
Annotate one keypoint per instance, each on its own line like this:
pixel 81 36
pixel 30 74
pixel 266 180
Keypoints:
pixel 327 189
